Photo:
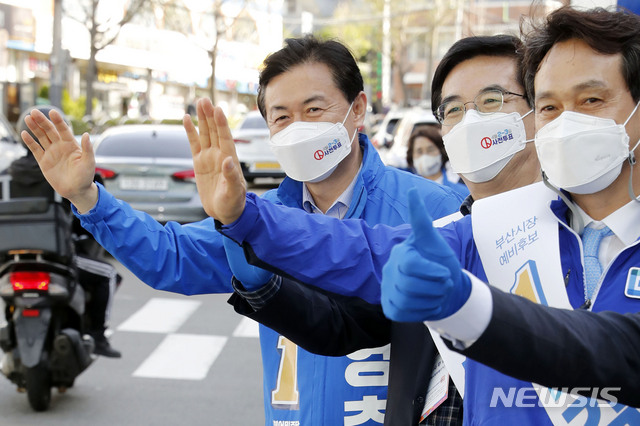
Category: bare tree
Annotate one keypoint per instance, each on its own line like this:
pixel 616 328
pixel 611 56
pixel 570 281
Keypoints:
pixel 101 34
pixel 414 25
pixel 220 26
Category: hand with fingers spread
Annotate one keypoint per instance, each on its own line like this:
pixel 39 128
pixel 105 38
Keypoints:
pixel 68 167
pixel 423 279
pixel 221 186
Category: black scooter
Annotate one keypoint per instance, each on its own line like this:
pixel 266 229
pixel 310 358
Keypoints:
pixel 43 340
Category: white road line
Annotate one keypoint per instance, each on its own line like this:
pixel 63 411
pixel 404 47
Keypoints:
pixel 246 328
pixel 182 356
pixel 160 316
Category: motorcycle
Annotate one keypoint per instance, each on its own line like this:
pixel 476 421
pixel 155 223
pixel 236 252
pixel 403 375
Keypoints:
pixel 43 340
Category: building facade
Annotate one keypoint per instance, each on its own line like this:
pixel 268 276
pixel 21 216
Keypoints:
pixel 158 64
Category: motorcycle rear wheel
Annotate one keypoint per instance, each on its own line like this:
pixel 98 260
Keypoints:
pixel 39 386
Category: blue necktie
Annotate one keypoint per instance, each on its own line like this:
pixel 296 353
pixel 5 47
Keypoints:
pixel 591 239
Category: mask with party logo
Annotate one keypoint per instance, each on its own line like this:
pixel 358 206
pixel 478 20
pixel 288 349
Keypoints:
pixel 309 151
pixel 481 145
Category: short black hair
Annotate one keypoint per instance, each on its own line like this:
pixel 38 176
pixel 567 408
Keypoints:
pixel 309 49
pixel 607 32
pixel 467 48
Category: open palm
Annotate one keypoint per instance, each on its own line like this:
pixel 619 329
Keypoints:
pixel 68 167
pixel 221 186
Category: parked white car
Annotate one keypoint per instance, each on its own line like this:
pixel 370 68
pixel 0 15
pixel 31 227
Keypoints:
pixel 383 137
pixel 411 121
pixel 251 137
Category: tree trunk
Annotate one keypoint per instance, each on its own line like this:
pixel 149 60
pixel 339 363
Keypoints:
pixel 89 79
pixel 55 90
pixel 212 54
pixel 90 76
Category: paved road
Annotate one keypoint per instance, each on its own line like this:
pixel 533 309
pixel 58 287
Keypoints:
pixel 186 360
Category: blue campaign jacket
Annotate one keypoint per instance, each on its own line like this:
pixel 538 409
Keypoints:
pixel 457 187
pixel 360 276
pixel 299 387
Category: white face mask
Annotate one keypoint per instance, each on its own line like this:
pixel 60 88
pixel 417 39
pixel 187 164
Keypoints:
pixel 428 165
pixel 310 151
pixel 480 146
pixel 581 153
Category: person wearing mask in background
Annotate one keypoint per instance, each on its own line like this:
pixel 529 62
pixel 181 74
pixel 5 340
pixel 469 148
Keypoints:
pixel 427 157
pixel 311 95
pixel 99 279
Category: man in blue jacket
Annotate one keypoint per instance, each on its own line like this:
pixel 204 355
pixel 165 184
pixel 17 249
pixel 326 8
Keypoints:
pixel 311 94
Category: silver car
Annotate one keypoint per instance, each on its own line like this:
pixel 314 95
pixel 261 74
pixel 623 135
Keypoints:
pixel 151 168
pixel 251 138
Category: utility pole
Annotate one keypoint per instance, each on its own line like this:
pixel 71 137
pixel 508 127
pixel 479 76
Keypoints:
pixel 57 59
pixel 386 54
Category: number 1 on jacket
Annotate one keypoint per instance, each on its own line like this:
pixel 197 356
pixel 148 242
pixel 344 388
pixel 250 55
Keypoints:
pixel 286 393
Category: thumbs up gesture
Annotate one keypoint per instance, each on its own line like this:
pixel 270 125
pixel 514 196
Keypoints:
pixel 423 279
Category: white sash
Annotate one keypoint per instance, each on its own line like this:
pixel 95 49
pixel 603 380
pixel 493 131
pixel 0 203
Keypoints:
pixel 514 232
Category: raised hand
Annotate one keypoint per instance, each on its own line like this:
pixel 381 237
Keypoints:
pixel 68 167
pixel 221 186
pixel 422 280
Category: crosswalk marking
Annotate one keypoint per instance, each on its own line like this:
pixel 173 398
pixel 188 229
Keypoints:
pixel 246 328
pixel 182 356
pixel 179 356
pixel 160 315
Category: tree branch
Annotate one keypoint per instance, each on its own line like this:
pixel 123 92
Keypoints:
pixel 133 9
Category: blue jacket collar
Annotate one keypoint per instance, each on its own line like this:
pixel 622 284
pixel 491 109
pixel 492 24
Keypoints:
pixel 290 191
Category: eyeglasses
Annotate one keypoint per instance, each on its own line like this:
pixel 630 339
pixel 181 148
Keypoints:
pixel 487 102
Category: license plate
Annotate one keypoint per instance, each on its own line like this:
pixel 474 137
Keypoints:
pixel 267 165
pixel 143 184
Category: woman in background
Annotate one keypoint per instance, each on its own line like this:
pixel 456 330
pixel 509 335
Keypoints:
pixel 427 157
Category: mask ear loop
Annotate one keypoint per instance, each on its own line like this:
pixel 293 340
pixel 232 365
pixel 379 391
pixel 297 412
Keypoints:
pixel 632 159
pixel 575 219
pixel 632 162
pixel 521 118
pixel 345 120
pixel 529 112
pixel 347 115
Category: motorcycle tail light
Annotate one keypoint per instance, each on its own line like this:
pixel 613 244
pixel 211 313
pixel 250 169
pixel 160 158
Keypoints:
pixel 30 313
pixel 27 280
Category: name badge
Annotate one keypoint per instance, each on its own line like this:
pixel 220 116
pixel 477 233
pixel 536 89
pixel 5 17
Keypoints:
pixel 438 388
pixel 632 289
